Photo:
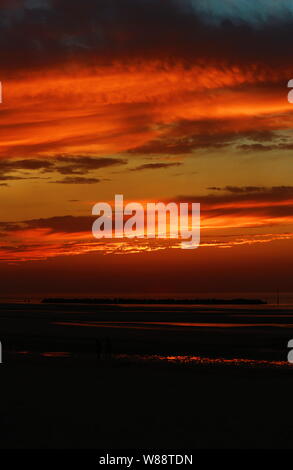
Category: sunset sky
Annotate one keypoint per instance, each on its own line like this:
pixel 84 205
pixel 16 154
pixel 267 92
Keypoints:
pixel 158 100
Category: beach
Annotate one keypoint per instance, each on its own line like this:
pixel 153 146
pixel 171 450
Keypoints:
pixel 174 383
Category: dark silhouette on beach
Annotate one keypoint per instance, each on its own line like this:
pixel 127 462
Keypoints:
pixel 103 349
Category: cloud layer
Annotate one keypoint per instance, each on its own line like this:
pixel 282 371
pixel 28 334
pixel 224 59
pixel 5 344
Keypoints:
pixel 253 215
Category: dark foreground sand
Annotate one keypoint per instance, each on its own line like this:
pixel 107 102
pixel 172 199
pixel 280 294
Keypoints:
pixel 82 402
pixel 53 404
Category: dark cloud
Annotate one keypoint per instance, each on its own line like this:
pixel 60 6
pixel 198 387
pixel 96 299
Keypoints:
pixel 10 178
pixel 184 137
pixel 100 31
pixel 77 180
pixel 78 165
pixel 63 164
pixel 156 166
pixel 66 224
pixel 275 201
pixel 265 148
pixel 242 193
pixel 7 166
pixel 243 189
pixel 256 147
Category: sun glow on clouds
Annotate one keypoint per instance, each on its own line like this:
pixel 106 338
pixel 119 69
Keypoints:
pixel 145 108
pixel 119 108
pixel 59 245
pixel 43 239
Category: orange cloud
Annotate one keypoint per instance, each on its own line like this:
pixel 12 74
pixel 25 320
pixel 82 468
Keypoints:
pixel 118 108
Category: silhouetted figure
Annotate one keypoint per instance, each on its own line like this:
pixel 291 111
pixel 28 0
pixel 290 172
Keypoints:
pixel 106 352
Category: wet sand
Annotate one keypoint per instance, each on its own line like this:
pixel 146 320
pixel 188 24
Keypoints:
pixel 255 333
pixel 55 405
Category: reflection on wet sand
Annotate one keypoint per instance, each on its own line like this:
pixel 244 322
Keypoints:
pixel 175 359
pixel 159 325
pixel 207 360
pixel 56 354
